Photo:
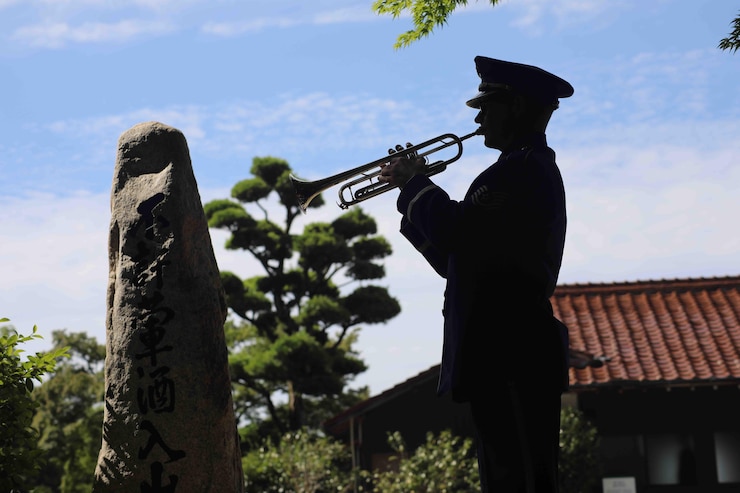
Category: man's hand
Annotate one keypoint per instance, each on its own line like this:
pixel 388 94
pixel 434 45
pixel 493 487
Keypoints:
pixel 401 167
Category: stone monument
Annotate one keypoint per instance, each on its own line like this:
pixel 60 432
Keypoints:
pixel 169 423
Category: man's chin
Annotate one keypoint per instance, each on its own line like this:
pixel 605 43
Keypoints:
pixel 491 143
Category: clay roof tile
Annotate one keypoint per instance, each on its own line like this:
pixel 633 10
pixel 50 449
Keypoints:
pixel 667 331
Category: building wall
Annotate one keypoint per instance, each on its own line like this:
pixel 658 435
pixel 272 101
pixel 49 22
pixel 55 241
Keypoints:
pixel 413 413
pixel 680 440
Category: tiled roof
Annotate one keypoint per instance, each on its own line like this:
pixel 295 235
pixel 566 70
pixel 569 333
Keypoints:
pixel 667 332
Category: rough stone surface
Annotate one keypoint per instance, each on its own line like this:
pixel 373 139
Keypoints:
pixel 169 423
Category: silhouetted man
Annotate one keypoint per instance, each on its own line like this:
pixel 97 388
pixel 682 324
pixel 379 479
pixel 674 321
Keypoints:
pixel 500 249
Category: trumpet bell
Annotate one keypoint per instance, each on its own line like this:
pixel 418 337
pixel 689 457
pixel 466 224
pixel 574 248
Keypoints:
pixel 306 191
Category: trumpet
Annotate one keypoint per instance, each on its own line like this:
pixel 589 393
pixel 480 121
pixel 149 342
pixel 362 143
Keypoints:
pixel 306 190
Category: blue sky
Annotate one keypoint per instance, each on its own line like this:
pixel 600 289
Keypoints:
pixel 647 145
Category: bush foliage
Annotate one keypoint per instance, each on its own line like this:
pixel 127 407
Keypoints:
pixel 20 456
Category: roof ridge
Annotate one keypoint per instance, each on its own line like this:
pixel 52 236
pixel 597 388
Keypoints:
pixel 686 283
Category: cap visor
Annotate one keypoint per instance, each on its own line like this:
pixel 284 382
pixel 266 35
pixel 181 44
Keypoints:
pixel 476 101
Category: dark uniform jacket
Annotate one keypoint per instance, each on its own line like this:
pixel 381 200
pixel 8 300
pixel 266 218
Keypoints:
pixel 500 249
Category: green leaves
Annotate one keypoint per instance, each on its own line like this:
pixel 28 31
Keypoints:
pixel 70 413
pixel 301 462
pixel 444 464
pixel 251 190
pixel 732 42
pixel 371 304
pixel 226 214
pixel 19 453
pixel 320 246
pixel 321 311
pixel 244 296
pixel 297 358
pixel 269 169
pixel 34 367
pixel 364 251
pixel 354 223
pixel 426 15
pixel 579 444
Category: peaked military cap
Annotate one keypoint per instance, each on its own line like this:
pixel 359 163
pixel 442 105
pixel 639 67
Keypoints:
pixel 498 75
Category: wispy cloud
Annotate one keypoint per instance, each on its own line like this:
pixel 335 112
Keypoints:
pixel 54 24
pixel 306 124
pixel 57 248
pixel 60 34
pixel 654 88
pixel 531 14
pixel 237 28
pixel 284 20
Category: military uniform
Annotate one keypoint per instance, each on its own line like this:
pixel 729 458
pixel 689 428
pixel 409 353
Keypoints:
pixel 500 250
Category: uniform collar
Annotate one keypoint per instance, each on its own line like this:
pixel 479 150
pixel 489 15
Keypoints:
pixel 529 141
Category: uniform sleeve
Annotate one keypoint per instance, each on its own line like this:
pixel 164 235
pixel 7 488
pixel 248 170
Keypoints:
pixel 429 210
pixel 449 226
pixel 436 258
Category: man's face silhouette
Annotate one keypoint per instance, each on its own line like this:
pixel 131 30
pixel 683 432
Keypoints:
pixel 497 120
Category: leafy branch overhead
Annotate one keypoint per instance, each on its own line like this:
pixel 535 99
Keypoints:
pixel 732 42
pixel 425 14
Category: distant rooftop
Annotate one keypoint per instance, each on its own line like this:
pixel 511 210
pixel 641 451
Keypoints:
pixel 667 332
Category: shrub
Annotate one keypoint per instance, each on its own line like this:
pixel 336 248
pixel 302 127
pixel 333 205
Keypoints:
pixel 20 456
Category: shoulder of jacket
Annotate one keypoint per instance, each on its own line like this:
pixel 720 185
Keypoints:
pixel 528 154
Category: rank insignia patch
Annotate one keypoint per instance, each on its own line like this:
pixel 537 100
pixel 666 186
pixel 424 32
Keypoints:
pixel 483 198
